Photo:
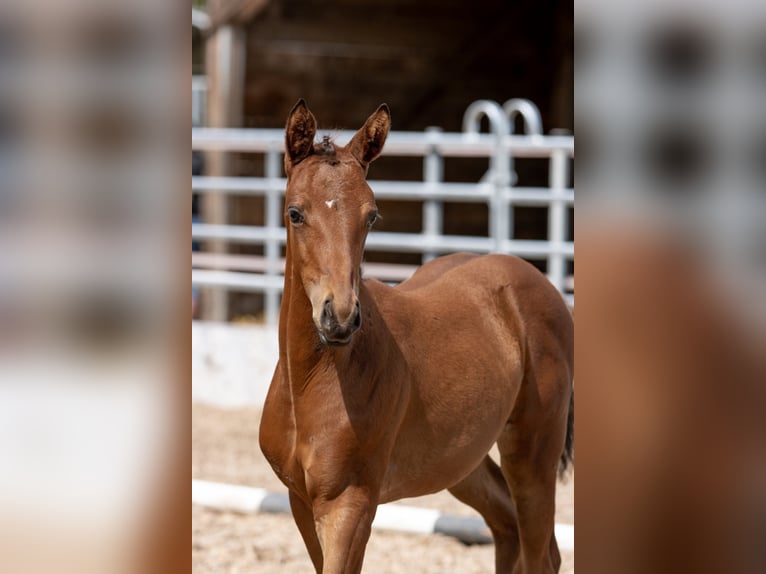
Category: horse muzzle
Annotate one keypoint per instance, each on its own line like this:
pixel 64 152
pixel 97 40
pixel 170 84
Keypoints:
pixel 336 332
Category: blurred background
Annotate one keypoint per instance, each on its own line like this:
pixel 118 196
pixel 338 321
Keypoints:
pixel 429 61
pixel 93 203
pixel 671 247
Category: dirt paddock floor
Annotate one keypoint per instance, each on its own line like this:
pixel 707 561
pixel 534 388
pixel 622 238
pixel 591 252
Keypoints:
pixel 225 449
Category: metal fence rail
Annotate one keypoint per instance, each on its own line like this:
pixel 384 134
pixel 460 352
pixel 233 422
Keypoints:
pixel 496 189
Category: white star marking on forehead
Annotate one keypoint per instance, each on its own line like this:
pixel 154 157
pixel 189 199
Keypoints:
pixel 330 203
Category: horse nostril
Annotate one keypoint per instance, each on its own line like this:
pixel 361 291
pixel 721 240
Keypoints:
pixel 327 309
pixel 358 316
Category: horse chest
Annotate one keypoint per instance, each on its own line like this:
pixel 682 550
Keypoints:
pixel 288 458
pixel 310 447
pixel 336 425
pixel 316 466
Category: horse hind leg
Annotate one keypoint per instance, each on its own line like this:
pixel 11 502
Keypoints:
pixel 486 491
pixel 530 451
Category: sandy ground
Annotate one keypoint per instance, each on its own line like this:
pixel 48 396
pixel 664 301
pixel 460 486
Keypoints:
pixel 225 449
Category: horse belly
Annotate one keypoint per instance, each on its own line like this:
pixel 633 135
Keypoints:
pixel 433 467
pixel 449 429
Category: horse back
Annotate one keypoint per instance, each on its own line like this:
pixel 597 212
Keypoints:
pixel 435 269
pixel 475 275
pixel 469 291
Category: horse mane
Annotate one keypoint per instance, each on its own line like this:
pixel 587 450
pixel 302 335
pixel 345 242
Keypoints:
pixel 326 150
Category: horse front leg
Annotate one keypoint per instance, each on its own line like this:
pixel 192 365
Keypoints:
pixel 304 519
pixel 343 526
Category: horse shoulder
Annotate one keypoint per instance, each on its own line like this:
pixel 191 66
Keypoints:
pixel 538 309
pixel 530 288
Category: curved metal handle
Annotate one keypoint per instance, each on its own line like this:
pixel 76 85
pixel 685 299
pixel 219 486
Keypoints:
pixel 498 122
pixel 533 123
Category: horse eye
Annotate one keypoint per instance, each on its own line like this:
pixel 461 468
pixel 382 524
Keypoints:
pixel 295 215
pixel 372 218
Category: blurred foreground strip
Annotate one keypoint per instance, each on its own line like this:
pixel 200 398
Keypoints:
pixel 93 188
pixel 671 435
pixel 671 298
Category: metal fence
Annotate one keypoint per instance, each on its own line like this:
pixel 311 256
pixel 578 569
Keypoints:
pixel 497 189
pixel 199 101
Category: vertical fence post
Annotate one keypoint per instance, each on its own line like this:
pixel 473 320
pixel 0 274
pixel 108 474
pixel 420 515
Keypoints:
pixel 433 174
pixel 225 53
pixel 272 220
pixel 499 166
pixel 557 220
pixel 502 214
pixel 199 98
pixel 533 126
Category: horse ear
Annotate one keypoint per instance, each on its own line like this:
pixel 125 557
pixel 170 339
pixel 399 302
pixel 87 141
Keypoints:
pixel 299 134
pixel 368 142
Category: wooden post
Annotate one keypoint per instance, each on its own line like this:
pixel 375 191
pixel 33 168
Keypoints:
pixel 225 63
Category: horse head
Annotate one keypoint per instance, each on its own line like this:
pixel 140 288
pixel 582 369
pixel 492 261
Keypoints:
pixel 329 210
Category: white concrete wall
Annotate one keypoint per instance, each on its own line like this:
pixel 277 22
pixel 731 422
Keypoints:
pixel 232 365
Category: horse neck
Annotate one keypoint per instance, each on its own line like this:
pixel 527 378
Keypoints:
pixel 299 347
pixel 297 335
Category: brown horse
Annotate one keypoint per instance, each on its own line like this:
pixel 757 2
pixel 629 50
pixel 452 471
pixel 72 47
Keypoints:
pixel 382 393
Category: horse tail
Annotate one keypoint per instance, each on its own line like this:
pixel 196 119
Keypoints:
pixel 567 455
